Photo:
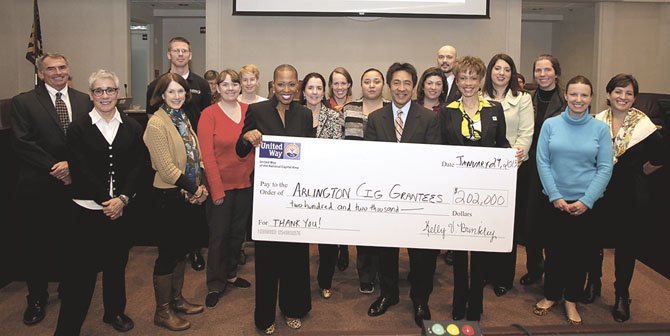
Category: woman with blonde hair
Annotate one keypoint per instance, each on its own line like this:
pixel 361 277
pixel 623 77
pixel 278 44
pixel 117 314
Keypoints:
pixel 249 77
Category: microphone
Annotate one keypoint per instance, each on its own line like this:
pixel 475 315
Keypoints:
pixel 125 88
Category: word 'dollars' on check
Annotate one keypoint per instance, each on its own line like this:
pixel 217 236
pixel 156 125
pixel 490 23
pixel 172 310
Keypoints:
pixel 384 194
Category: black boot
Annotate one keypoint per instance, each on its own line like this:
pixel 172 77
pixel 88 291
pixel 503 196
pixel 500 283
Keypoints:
pixel 621 309
pixel 592 290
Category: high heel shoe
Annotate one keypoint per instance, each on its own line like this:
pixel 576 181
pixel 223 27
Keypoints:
pixel 621 309
pixel 592 291
pixel 326 293
pixel 269 330
pixel 293 323
pixel 541 310
pixel 572 314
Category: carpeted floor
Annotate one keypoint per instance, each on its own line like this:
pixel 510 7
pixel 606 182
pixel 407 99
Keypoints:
pixel 345 312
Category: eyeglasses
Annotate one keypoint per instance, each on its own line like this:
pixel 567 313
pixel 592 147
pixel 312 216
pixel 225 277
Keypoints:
pixel 98 92
pixel 180 51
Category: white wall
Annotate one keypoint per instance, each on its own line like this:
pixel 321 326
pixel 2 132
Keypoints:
pixel 633 38
pixel 536 39
pixel 93 34
pixel 574 44
pixel 323 43
pixel 190 29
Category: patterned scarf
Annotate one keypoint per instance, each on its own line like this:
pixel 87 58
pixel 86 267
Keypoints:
pixel 180 121
pixel 635 128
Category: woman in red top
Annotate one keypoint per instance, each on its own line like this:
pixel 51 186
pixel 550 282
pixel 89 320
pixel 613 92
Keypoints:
pixel 228 176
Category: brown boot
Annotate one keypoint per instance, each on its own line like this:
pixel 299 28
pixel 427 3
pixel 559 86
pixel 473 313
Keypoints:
pixel 165 316
pixel 180 304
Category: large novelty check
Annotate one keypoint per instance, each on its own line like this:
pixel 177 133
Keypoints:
pixel 384 194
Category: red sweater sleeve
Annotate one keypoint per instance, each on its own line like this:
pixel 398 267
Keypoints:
pixel 206 131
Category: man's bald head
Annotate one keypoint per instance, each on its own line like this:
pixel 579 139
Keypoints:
pixel 446 57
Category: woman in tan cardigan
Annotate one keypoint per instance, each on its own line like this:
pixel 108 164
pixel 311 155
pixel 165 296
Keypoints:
pixel 178 184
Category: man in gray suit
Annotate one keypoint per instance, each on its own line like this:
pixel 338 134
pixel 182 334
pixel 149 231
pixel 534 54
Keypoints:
pixel 403 121
pixel 40 119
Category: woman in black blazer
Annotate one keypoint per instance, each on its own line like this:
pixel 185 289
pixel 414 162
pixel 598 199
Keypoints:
pixel 105 161
pixel 280 267
pixel 471 121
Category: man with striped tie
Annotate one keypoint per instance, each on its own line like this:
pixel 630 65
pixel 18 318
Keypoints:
pixel 403 121
pixel 40 119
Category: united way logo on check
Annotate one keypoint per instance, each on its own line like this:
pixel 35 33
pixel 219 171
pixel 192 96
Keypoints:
pixel 280 150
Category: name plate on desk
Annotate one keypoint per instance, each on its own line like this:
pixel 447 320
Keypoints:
pixel 384 194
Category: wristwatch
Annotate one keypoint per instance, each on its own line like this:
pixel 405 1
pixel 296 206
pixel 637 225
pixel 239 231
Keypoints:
pixel 125 199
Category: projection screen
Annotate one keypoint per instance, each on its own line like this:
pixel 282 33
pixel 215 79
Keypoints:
pixel 371 8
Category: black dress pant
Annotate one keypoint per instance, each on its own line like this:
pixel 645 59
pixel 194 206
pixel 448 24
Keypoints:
pixel 367 264
pixel 624 267
pixel 282 270
pixel 503 265
pixel 568 248
pixel 533 227
pixel 469 281
pixel 422 270
pixel 175 217
pixel 327 261
pixel 95 244
pixel 43 217
pixel 227 225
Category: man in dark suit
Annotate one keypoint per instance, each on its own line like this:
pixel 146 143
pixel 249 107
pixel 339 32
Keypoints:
pixel 403 121
pixel 446 57
pixel 179 54
pixel 40 119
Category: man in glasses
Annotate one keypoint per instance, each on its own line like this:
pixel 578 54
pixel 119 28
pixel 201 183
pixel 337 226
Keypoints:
pixel 179 54
pixel 40 120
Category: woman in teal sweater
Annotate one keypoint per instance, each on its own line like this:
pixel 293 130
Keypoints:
pixel 574 161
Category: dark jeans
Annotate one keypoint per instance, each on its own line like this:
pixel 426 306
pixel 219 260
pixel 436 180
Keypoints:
pixel 175 217
pixel 227 225
pixel 101 244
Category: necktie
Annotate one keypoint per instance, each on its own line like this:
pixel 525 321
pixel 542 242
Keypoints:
pixel 398 126
pixel 61 109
